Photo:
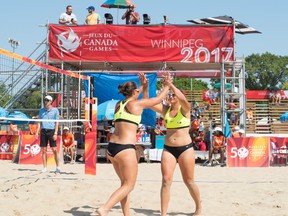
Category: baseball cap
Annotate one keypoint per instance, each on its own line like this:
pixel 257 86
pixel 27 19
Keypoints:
pixel 91 8
pixel 48 97
pixel 236 128
pixel 66 128
pixel 241 131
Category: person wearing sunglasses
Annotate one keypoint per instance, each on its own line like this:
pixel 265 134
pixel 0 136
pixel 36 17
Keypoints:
pixel 178 148
pixel 48 132
pixel 121 147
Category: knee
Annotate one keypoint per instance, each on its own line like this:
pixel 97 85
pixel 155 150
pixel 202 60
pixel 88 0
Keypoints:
pixel 166 181
pixel 189 182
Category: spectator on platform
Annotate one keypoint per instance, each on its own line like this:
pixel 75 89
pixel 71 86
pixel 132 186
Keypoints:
pixel 131 17
pixel 68 18
pixel 249 115
pixel 49 131
pixel 68 144
pixel 92 18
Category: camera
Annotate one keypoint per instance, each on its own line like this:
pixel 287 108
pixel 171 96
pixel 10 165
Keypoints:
pixel 130 8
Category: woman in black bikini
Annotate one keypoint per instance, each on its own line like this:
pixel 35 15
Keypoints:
pixel 121 148
pixel 178 148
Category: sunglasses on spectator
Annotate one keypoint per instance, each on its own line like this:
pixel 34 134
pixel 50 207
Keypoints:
pixel 46 100
pixel 171 95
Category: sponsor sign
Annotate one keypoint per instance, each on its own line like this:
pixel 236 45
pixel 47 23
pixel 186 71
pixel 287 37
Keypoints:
pixel 30 150
pixel 121 43
pixel 248 152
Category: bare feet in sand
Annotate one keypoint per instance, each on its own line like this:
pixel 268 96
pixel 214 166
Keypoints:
pixel 102 212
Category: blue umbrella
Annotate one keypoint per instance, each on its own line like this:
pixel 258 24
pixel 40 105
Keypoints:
pixel 284 117
pixel 3 112
pixel 19 115
pixel 106 110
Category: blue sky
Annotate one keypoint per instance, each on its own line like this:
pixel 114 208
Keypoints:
pixel 21 19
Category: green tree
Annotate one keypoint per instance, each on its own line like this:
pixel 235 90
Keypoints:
pixel 185 84
pixel 3 98
pixel 265 71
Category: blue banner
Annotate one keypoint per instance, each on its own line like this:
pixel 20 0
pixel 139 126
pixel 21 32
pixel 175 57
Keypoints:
pixel 106 88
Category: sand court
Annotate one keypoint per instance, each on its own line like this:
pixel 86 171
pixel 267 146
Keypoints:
pixel 224 191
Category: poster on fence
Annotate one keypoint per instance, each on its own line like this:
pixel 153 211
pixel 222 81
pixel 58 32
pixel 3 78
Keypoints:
pixel 7 145
pixel 248 152
pixel 30 150
pixel 279 150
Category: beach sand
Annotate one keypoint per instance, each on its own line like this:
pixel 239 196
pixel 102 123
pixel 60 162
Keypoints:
pixel 224 191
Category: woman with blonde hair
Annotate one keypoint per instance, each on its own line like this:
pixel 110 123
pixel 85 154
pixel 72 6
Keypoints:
pixel 121 148
pixel 178 148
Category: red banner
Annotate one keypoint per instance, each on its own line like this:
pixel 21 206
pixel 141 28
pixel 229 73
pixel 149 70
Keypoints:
pixel 30 152
pixel 119 43
pixel 248 152
pixel 7 144
pixel 90 153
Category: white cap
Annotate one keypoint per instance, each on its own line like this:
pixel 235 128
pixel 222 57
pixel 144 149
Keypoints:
pixel 217 129
pixel 236 128
pixel 66 128
pixel 48 97
pixel 241 131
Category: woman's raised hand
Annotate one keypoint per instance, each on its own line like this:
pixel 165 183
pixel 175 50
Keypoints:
pixel 142 78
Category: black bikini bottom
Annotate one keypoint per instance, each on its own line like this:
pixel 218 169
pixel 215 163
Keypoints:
pixel 114 148
pixel 177 150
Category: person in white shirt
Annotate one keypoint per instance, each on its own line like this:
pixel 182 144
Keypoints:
pixel 68 18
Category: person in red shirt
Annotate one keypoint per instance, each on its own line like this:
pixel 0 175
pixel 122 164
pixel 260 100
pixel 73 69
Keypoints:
pixel 68 144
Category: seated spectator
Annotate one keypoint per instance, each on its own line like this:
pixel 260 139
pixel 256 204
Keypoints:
pixel 234 118
pixel 33 126
pixel 68 144
pixel 272 96
pixel 277 97
pixel 218 145
pixel 216 95
pixel 206 97
pixel 249 115
pixel 194 103
pixel 241 133
pixel 14 129
pixel 235 132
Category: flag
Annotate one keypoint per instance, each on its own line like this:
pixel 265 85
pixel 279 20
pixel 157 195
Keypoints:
pixel 227 131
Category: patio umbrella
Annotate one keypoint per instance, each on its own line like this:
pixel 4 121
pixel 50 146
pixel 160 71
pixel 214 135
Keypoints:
pixel 122 4
pixel 240 27
pixel 218 85
pixel 18 115
pixel 284 117
pixel 106 110
pixel 3 112
pixel 119 4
